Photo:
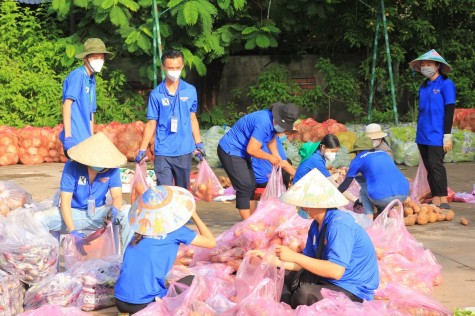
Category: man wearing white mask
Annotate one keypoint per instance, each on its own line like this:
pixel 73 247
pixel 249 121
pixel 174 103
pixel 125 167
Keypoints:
pixel 79 95
pixel 171 115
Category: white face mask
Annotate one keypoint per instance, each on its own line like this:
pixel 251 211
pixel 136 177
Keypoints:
pixel 278 129
pixel 173 75
pixel 428 71
pixel 377 142
pixel 96 64
pixel 330 155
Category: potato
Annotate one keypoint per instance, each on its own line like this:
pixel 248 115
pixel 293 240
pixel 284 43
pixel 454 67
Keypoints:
pixel 422 219
pixel 416 208
pixel 449 215
pixel 432 217
pixel 408 211
pixel 440 217
pixel 463 221
pixel 410 220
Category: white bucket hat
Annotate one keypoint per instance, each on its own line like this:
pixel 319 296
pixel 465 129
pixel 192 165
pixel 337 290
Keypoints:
pixel 315 191
pixel 97 151
pixel 161 210
pixel 374 131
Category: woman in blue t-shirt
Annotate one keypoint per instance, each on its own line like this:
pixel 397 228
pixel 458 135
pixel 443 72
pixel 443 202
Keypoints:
pixel 158 218
pixel 245 140
pixel 383 180
pixel 338 255
pixel 437 97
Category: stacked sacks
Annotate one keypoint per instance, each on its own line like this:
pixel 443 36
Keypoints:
pixel 465 119
pixel 9 148
pixel 310 130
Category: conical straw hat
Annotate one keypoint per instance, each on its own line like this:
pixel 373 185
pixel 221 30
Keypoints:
pixel 434 56
pixel 161 210
pixel 97 151
pixel 315 191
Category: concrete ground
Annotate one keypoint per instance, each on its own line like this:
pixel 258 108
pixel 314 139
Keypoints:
pixel 452 243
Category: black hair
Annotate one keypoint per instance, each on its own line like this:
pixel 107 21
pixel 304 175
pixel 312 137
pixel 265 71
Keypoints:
pixel 329 141
pixel 439 69
pixel 136 239
pixel 172 54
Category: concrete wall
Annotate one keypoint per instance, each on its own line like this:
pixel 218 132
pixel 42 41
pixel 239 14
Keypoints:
pixel 241 71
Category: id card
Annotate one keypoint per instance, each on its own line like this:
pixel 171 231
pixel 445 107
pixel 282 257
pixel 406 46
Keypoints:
pixel 174 125
pixel 91 207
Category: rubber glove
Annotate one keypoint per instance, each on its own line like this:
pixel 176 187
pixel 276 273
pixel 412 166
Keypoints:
pixel 140 156
pixel 79 241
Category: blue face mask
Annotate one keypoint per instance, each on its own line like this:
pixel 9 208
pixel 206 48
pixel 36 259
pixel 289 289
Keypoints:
pixel 98 169
pixel 302 213
pixel 278 129
pixel 283 138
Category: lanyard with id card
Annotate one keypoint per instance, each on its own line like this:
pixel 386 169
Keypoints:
pixel 174 120
pixel 91 204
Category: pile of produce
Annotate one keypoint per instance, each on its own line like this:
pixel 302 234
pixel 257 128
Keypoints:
pixel 8 146
pixel 11 294
pixel 27 249
pixel 273 223
pixel 422 214
pixel 465 119
pixel 12 197
pixel 310 130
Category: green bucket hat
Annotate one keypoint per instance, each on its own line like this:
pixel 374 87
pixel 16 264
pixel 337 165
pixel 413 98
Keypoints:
pixel 362 143
pixel 434 56
pixel 93 46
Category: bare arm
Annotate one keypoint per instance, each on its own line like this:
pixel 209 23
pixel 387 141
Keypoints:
pixel 288 167
pixel 319 267
pixel 205 238
pixel 254 148
pixel 116 194
pixel 346 193
pixel 66 212
pixel 195 128
pixel 148 133
pixel 67 117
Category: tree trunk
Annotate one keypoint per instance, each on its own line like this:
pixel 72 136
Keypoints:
pixel 208 86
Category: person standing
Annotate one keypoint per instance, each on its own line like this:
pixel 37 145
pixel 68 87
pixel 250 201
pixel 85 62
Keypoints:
pixel 437 97
pixel 79 95
pixel 245 140
pixel 171 115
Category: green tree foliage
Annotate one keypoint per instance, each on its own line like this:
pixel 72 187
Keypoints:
pixel 34 61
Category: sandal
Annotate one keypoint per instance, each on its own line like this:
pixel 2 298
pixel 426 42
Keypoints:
pixel 445 206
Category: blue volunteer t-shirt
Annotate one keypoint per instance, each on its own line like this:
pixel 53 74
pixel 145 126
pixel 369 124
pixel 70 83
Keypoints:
pixel 81 88
pixel 163 107
pixel 432 101
pixel 262 167
pixel 315 160
pixel 145 265
pixel 259 125
pixel 75 179
pixel 383 178
pixel 348 245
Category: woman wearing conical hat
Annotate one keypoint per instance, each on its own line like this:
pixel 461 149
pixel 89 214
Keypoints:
pixel 339 254
pixel 437 97
pixel 92 172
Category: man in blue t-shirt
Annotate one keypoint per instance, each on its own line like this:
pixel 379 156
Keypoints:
pixel 171 115
pixel 383 180
pixel 92 172
pixel 79 95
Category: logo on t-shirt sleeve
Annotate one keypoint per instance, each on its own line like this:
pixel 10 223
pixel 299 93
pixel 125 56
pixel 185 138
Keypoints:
pixel 104 180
